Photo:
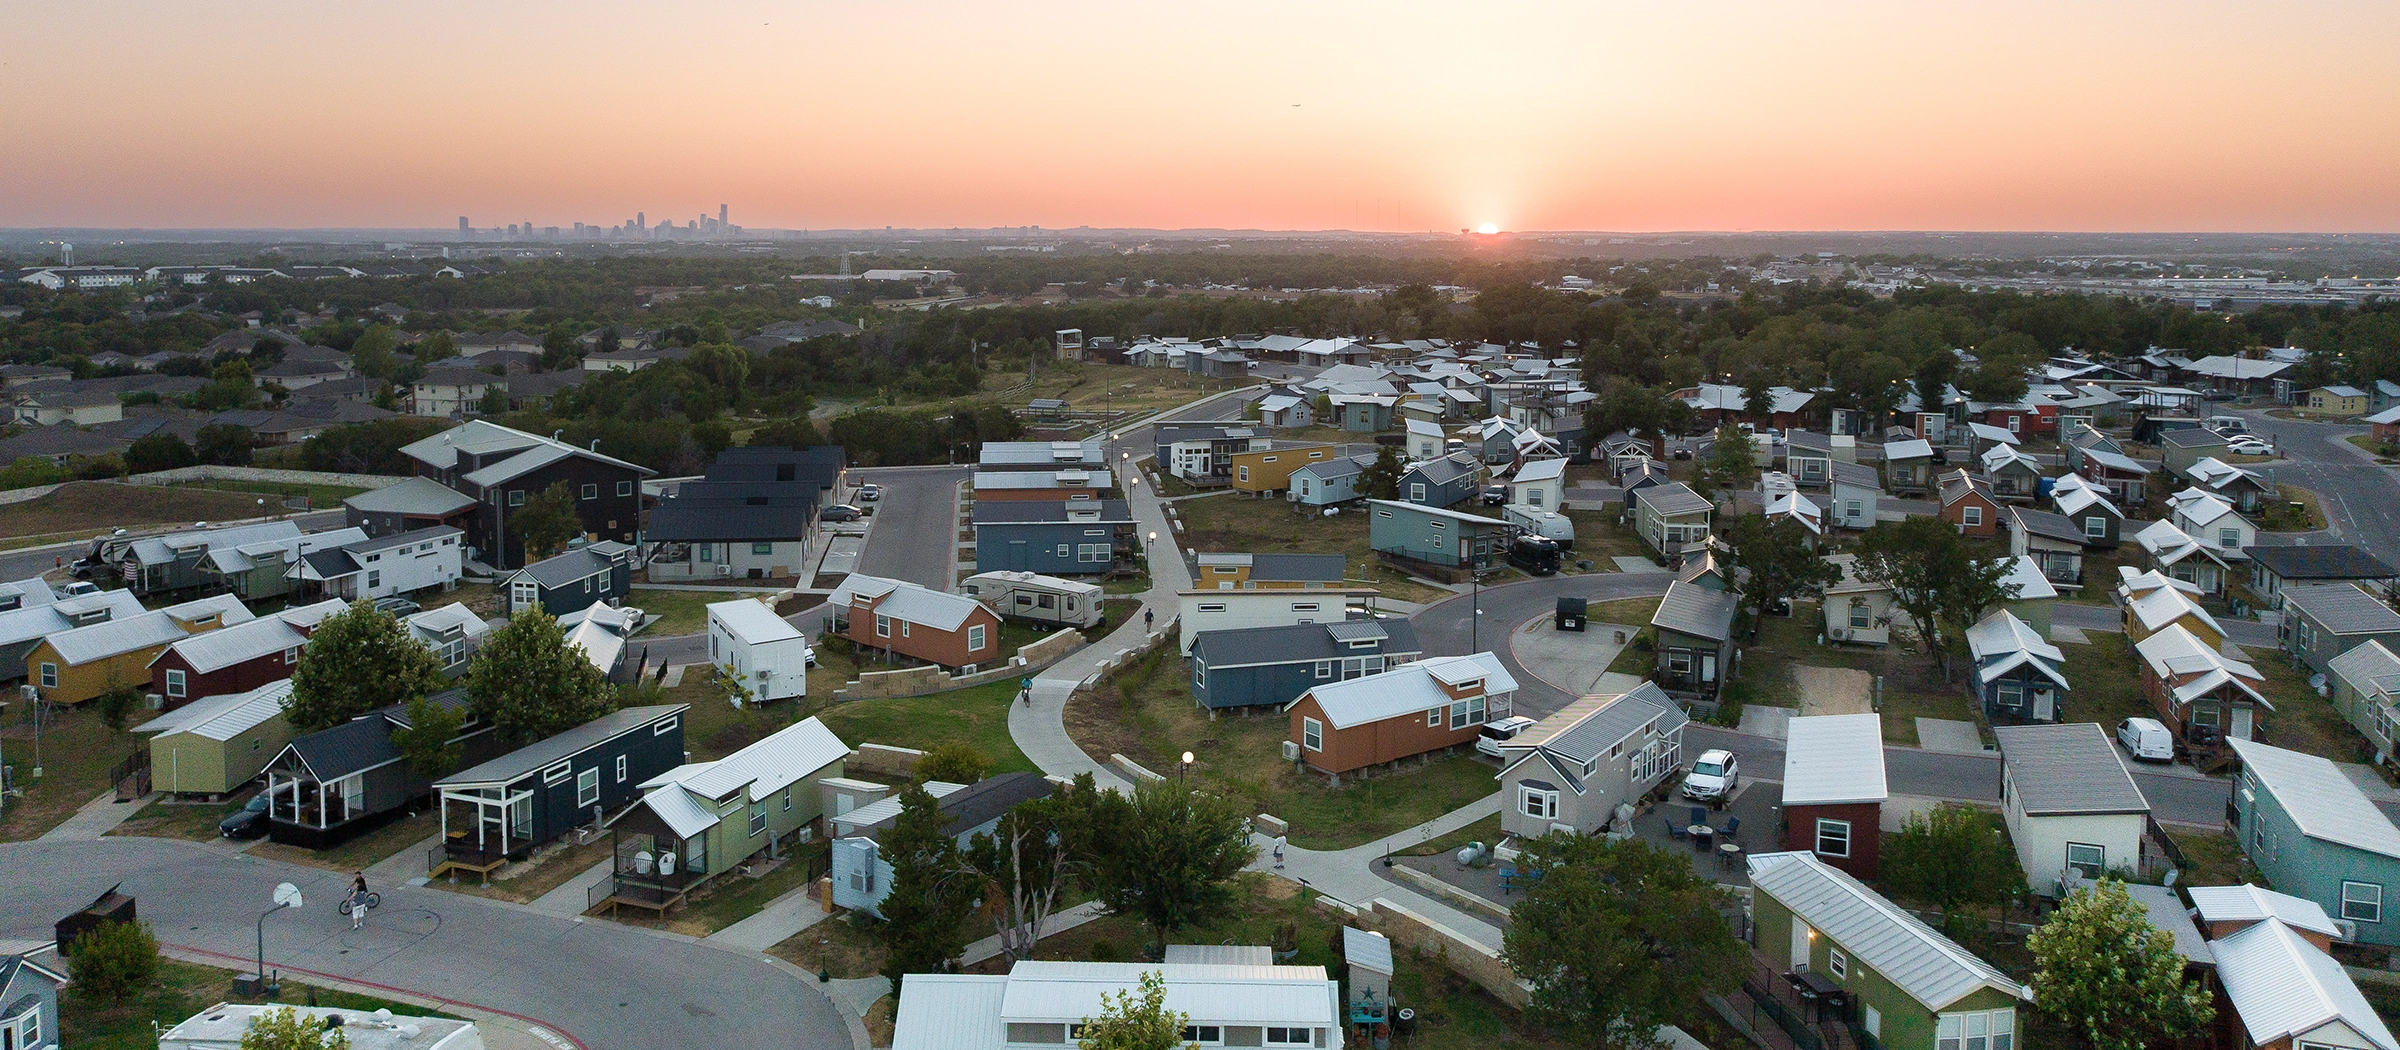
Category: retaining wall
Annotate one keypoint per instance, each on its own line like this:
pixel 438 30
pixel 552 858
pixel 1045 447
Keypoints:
pixel 210 472
pixel 1431 939
pixel 919 681
pixel 1451 895
pixel 883 760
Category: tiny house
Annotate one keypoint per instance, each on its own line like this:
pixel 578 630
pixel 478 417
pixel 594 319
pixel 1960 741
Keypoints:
pixel 761 650
pixel 1036 598
pixel 501 809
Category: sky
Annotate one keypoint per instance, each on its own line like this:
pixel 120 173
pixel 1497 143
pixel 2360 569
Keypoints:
pixel 1287 115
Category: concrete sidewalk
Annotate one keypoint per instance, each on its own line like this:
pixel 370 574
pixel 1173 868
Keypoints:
pixel 1349 875
pixel 573 897
pixel 95 819
pixel 782 919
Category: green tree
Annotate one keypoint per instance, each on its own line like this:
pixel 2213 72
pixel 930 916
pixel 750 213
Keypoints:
pixel 2000 381
pixel 359 660
pixel 528 684
pixel 1933 380
pixel 376 352
pixel 117 707
pixel 436 347
pixel 1167 855
pixel 224 444
pixel 924 915
pixel 2102 968
pixel 427 740
pixel 1030 858
pixel 158 451
pixel 494 402
pixel 562 347
pixel 1934 575
pixel 1776 566
pixel 1127 1023
pixel 546 522
pixel 1954 858
pixel 29 471
pixel 954 762
pixel 288 1029
pixel 114 962
pixel 1381 479
pixel 230 386
pixel 725 366
pixel 1730 464
pixel 1617 938
pixel 1758 397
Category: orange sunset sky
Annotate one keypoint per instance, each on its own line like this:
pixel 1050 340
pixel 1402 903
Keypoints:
pixel 1283 115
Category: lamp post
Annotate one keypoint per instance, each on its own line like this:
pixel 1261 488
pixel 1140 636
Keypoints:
pixel 1183 772
pixel 286 896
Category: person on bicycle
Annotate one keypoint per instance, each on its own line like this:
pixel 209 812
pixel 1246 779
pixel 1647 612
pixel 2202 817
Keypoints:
pixel 358 901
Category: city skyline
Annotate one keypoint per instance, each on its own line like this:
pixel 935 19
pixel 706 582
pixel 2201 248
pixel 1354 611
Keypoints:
pixel 1861 116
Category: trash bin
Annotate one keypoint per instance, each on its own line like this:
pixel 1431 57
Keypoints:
pixel 1570 614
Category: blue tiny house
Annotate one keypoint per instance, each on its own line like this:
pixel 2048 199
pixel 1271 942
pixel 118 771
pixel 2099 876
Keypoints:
pixel 1435 536
pixel 1055 539
pixel 1256 666
pixel 1441 482
pixel 2316 836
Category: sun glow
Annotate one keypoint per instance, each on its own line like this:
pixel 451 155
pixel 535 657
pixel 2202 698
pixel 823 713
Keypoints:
pixel 1488 229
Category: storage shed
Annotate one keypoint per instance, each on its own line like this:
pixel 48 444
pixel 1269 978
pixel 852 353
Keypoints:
pixel 215 745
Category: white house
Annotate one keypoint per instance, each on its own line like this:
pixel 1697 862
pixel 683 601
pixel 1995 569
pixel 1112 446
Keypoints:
pixel 1424 439
pixel 1541 484
pixel 2211 521
pixel 1857 610
pixel 2072 810
pixel 1201 611
pixel 768 655
pixel 1244 1000
pixel 382 566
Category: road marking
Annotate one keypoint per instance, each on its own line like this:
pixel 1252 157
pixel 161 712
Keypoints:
pixel 545 1035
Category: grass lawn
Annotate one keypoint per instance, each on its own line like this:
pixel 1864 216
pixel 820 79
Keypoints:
pixel 732 897
pixel 977 717
pixel 2367 443
pixel 319 496
pixel 524 882
pixel 180 991
pixel 361 852
pixel 2279 517
pixel 1235 523
pixel 1912 683
pixel 1634 659
pixel 166 818
pixel 1486 831
pixel 1133 583
pixel 2303 721
pixel 1599 538
pixel 1146 713
pixel 2212 858
pixel 77 753
pixel 1091 387
pixel 678 612
pixel 88 508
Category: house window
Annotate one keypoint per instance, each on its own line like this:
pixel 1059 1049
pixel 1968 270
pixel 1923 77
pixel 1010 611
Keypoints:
pixel 516 497
pixel 620 769
pixel 1304 606
pixel 374 578
pixel 1860 615
pixel 975 638
pixel 1833 838
pixel 1243 471
pixel 1981 1030
pixel 1290 1037
pixel 591 492
pixel 762 548
pixel 904 628
pixel 1540 804
pixel 1324 669
pixel 1679 661
pixel 1312 734
pixel 2095 527
pixel 708 552
pixel 2362 901
pixel 624 488
pixel 1433 718
pixel 1416 492
pixel 2229 537
pixel 1209 607
pixel 29 1029
pixel 558 773
pixel 175 684
pixel 49 676
pixel 883 626
pixel 1203 1033
pixel 587 788
pixel 1852 509
pixel 1199 675
pixel 1837 963
pixel 663 728
pixel 1971 516
pixel 758 818
pixel 291 656
pixel 2087 860
pixel 1468 712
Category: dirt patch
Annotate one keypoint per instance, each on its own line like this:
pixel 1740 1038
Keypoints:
pixel 87 507
pixel 1833 690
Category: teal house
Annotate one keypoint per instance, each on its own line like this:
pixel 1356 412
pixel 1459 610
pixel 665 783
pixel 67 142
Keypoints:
pixel 1905 984
pixel 2315 836
pixel 1435 536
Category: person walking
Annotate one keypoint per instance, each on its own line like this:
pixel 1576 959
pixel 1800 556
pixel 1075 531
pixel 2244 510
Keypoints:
pixel 1147 616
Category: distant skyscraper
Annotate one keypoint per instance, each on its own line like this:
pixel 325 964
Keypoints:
pixel 462 225
pixel 720 218
pixel 641 220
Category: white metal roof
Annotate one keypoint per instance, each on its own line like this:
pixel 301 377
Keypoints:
pixel 2001 643
pixel 939 610
pixel 2284 988
pixel 1912 448
pixel 224 716
pixel 2157 607
pixel 787 755
pixel 1411 688
pixel 2318 798
pixel 19 625
pixel 1221 954
pixel 1541 470
pixel 2027 575
pixel 2175 654
pixel 2167 914
pixel 2247 903
pixel 950 1011
pixel 1929 967
pixel 1831 759
pixel 1209 993
pixel 887 807
pixel 1367 950
pixel 749 621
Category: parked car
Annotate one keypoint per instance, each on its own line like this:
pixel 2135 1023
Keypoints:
pixel 2249 446
pixel 248 822
pixel 396 606
pixel 841 512
pixel 1496 732
pixel 1714 775
pixel 870 492
pixel 2146 739
pixel 1495 495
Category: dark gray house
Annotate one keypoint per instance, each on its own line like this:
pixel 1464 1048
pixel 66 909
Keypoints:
pixel 748 519
pixel 1695 639
pixel 1254 666
pixel 1064 538
pixel 536 793
pixel 2274 568
pixel 415 503
pixel 334 783
pixel 2017 676
pixel 503 468
pixel 573 581
pixel 1441 482
pixel 2324 621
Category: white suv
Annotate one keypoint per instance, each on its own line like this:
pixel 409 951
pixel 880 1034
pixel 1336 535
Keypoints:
pixel 1713 776
pixel 1497 732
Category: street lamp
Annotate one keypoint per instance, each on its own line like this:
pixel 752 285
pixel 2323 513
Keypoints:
pixel 286 896
pixel 1184 772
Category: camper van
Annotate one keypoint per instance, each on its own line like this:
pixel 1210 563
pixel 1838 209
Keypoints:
pixel 1037 598
pixel 1535 555
pixel 1547 524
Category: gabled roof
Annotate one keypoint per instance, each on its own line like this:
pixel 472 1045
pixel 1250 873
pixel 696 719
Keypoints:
pixel 1799 508
pixel 2342 608
pixel 2116 461
pixel 749 621
pixel 154 550
pixel 1301 642
pixel 533 451
pixel 2155 607
pixel 1446 469
pixel 1691 609
pixel 1674 499
pixel 224 647
pixel 1958 485
pixel 2068 769
pixel 1912 448
pixel 225 715
pixel 532 758
pixel 2049 526
pixel 2026 575
pixel 2247 903
pixel 2283 987
pixel 1858 474
pixel 99 641
pixel 2325 805
pixel 788 755
pixel 561 569
pixel 424 497
pixel 2370 668
pixel 903 600
pixel 26 624
pixel 2320 561
pixel 2170 545
pixel 1591 725
pixel 1409 689
pixel 1833 759
pixel 1053 512
pixel 2074 494
pixel 1927 966
pixel 2000 643
pixel 2175 654
pixel 1540 470
pixel 359 744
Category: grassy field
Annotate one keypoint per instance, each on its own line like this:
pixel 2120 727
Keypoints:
pixel 2279 517
pixel 319 496
pixel 1234 523
pixel 732 897
pixel 1486 831
pixel 166 818
pixel 2368 444
pixel 1633 659
pixel 1913 687
pixel 180 991
pixel 524 882
pixel 1145 712
pixel 678 612
pixel 77 753
pixel 90 508
pixel 1598 538
pixel 976 717
pixel 362 852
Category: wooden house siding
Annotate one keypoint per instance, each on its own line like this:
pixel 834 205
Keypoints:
pixel 1866 835
pixel 237 678
pixel 188 764
pixel 2313 868
pixel 947 648
pixel 1905 1021
pixel 1271 470
pixel 1374 743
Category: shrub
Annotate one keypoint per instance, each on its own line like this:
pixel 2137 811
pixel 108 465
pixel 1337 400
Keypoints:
pixel 115 960
pixel 1105 950
pixel 953 762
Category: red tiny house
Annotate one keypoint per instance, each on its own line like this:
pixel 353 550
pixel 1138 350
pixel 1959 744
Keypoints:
pixel 1834 788
pixel 1413 709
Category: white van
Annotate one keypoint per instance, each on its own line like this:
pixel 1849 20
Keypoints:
pixel 2146 739
pixel 1547 524
pixel 2227 426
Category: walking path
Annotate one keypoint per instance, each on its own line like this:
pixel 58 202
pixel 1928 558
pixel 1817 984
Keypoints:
pixel 1349 875
pixel 782 919
pixel 94 818
pixel 574 897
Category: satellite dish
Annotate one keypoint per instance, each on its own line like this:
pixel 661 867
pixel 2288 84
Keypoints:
pixel 287 895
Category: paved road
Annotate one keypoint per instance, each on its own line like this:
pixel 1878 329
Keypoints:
pixel 2357 493
pixel 915 531
pixel 606 985
pixel 19 564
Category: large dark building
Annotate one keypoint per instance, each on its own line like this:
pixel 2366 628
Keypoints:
pixel 502 468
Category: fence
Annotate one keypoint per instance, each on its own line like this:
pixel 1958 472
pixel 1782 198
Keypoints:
pixel 131 777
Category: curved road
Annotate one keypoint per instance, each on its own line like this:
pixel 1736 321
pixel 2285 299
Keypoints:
pixel 606 986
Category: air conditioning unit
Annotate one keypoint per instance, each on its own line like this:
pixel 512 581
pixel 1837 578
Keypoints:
pixel 1841 634
pixel 155 701
pixel 2346 929
pixel 1291 751
pixel 724 570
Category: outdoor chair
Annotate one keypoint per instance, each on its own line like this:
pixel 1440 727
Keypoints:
pixel 1674 830
pixel 1699 815
pixel 1733 826
pixel 1508 878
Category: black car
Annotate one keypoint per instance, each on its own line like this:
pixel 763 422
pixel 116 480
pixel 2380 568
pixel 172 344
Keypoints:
pixel 1495 495
pixel 248 822
pixel 841 512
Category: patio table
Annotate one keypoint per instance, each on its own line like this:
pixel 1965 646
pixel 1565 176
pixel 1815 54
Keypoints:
pixel 1702 835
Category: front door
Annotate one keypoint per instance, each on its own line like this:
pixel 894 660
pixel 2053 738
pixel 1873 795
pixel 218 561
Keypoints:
pixel 1708 667
pixel 2045 706
pixel 2241 722
pixel 1800 938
